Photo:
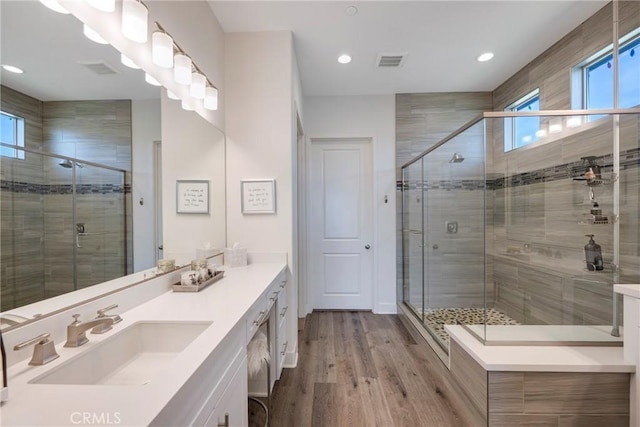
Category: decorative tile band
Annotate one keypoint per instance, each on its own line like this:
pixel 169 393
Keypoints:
pixel 25 187
pixel 629 159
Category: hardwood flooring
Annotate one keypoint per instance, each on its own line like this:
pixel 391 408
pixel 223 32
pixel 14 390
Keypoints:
pixel 361 369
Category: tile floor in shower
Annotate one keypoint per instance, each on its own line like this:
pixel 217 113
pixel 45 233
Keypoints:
pixel 436 318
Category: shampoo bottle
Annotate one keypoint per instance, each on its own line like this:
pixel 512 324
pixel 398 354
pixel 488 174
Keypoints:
pixel 593 255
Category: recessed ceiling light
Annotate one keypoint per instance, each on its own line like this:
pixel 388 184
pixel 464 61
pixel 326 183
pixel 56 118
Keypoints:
pixel 12 69
pixel 344 59
pixel 485 57
pixel 351 10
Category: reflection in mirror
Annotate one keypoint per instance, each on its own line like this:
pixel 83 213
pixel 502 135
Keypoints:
pixel 68 220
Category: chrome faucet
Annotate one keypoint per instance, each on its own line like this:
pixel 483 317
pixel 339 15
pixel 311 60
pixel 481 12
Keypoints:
pixel 76 330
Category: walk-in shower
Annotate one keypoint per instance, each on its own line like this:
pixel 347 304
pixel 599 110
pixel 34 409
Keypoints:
pixel 44 253
pixel 497 242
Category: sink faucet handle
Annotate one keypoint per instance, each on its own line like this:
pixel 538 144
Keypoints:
pixel 76 319
pixel 115 317
pixel 44 350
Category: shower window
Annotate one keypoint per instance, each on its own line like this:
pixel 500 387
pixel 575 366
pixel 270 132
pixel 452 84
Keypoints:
pixel 12 133
pixel 594 77
pixel 521 131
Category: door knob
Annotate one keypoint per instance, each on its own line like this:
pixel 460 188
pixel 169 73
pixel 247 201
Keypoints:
pixel 367 246
pixel 161 247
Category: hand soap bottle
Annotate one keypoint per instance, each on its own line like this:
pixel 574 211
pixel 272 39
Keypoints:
pixel 593 255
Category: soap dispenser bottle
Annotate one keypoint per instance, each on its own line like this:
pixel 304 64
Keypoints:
pixel 593 255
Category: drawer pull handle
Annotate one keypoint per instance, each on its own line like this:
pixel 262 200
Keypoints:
pixel 284 311
pixel 283 284
pixel 259 319
pixel 226 421
pixel 274 296
pixel 284 348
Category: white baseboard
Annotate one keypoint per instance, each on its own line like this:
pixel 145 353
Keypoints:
pixel 291 358
pixel 386 308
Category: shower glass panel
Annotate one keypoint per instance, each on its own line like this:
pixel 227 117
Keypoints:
pixel 44 252
pixel 412 230
pixel 524 245
pixel 100 225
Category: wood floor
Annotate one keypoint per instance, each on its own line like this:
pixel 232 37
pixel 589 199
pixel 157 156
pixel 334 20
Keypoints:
pixel 361 369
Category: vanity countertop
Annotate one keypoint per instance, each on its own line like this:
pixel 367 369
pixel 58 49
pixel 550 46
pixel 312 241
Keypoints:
pixel 629 290
pixel 224 303
pixel 540 358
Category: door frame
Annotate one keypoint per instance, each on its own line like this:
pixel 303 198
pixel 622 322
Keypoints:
pixel 306 302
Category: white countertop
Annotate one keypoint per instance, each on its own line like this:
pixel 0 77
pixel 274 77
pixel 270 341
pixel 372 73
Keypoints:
pixel 629 290
pixel 541 358
pixel 224 303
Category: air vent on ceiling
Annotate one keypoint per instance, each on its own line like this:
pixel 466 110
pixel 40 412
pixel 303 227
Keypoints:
pixel 100 68
pixel 390 60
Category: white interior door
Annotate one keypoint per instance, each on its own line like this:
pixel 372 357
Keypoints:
pixel 340 224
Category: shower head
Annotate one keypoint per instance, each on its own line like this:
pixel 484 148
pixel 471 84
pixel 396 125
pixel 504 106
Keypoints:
pixel 457 158
pixel 68 164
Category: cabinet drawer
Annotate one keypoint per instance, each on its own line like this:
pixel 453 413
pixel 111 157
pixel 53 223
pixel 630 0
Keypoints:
pixel 283 345
pixel 254 317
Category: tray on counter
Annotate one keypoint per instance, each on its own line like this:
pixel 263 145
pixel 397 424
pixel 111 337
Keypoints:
pixel 177 287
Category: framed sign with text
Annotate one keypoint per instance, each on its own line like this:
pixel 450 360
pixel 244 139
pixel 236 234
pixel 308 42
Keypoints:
pixel 192 197
pixel 258 196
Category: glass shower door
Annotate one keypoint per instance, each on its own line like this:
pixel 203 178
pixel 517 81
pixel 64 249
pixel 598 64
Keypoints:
pixel 413 244
pixel 99 225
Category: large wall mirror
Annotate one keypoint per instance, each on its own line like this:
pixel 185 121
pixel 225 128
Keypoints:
pixel 82 196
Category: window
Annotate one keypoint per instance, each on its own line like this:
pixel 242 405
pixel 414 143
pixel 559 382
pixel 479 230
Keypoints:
pixel 12 133
pixel 596 77
pixel 520 131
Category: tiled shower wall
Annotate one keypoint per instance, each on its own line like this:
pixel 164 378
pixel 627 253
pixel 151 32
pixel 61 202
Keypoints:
pixel 534 205
pixel 21 213
pixel 421 121
pixel 37 252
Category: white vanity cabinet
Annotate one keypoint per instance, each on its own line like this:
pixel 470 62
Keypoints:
pixel 231 409
pixel 282 314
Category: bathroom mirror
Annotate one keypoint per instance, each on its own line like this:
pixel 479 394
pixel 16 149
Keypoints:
pixel 92 212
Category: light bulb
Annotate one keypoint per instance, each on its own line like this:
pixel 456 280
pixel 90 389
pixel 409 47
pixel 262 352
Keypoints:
pixel 182 69
pixel 162 49
pixel 128 62
pixel 103 5
pixel 55 6
pixel 198 84
pixel 211 98
pixel 151 80
pixel 134 21
pixel 92 35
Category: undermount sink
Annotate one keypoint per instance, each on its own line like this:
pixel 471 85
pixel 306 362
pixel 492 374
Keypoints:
pixel 133 356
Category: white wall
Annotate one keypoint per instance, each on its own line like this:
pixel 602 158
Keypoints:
pixel 372 117
pixel 259 128
pixel 145 129
pixel 192 149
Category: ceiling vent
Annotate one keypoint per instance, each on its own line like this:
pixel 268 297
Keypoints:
pixel 390 60
pixel 101 68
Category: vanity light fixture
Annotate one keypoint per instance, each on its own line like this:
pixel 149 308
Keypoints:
pixel 198 85
pixel 211 98
pixel 555 125
pixel 103 5
pixel 485 57
pixel 182 68
pixel 134 20
pixel 344 59
pixel 93 35
pixel 12 69
pixel 55 6
pixel 151 80
pixel 172 95
pixel 162 49
pixel 128 62
pixel 186 107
